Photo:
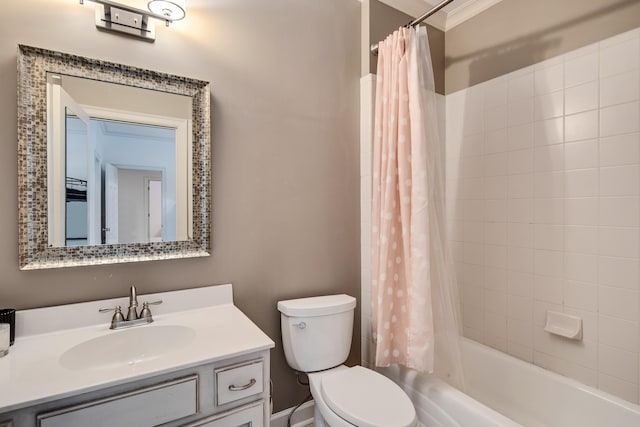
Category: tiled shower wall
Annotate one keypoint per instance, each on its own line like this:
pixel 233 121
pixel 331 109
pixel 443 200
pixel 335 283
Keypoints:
pixel 543 185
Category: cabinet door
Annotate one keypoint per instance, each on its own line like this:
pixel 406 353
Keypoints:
pixel 250 415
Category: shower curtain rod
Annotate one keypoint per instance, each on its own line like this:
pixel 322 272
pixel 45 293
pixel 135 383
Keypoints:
pixel 417 21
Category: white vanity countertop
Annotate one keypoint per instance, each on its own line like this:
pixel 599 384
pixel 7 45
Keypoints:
pixel 32 373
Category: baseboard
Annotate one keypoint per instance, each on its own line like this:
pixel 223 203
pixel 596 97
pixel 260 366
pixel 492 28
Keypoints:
pixel 303 416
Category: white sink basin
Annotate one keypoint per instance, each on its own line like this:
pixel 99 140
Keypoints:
pixel 127 347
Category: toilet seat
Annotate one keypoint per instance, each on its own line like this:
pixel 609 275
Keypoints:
pixel 366 398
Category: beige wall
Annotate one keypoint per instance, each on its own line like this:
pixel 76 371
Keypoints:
pixel 284 77
pixel 384 20
pixel 517 33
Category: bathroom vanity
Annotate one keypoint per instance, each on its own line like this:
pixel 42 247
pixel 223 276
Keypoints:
pixel 201 362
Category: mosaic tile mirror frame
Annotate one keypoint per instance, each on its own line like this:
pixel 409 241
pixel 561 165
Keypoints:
pixel 35 252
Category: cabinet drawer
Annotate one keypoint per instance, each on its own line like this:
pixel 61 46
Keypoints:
pixel 238 381
pixel 251 415
pixel 148 406
pixel 6 423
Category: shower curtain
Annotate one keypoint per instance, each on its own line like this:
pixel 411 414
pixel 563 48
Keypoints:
pixel 415 307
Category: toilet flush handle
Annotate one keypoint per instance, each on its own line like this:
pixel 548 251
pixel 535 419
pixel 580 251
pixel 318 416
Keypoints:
pixel 300 325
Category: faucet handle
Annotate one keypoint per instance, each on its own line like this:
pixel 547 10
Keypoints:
pixel 146 312
pixel 117 315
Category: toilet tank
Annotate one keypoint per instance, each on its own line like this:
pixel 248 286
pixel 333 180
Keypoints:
pixel 317 331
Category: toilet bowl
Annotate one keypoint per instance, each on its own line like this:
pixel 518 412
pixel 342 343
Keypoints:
pixel 316 336
pixel 356 396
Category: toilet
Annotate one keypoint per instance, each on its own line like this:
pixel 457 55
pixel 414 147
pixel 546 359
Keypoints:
pixel 316 335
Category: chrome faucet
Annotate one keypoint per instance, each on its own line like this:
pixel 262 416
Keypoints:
pixel 132 313
pixel 118 321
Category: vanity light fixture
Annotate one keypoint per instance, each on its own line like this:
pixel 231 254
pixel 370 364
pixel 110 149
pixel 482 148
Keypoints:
pixel 114 16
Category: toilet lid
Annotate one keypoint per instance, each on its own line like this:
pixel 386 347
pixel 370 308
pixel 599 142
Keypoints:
pixel 367 399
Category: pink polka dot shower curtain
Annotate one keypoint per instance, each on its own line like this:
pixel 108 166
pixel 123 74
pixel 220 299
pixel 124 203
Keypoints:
pixel 415 303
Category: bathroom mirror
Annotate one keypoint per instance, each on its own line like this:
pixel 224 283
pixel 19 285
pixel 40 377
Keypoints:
pixel 114 162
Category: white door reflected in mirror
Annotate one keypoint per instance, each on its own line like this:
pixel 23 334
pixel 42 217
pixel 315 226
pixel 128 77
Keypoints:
pixel 115 176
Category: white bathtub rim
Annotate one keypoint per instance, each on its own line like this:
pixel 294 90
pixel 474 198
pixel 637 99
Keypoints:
pixel 601 394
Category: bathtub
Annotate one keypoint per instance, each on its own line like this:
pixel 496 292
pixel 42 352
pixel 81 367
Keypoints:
pixel 519 393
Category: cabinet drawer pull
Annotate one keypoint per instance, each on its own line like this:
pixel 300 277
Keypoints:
pixel 242 387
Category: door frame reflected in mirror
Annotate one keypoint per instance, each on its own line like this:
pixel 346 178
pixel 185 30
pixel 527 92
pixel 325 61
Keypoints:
pixel 35 250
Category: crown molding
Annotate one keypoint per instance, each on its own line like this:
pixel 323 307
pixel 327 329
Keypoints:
pixel 467 11
pixel 442 20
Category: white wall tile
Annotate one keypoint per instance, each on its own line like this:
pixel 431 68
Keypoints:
pixel 520 235
pixel 495 256
pixel 619 119
pixel 581 183
pixel 621 388
pixel 581 155
pixel 495 233
pixel 549 184
pixel 520 332
pixel 520 112
pixel 495 210
pixel 474 231
pixel 581 98
pixel 520 87
pixel 495 118
pixel 472 145
pixel 619 241
pixel 473 253
pixel 620 211
pixel 548 106
pixel 618 363
pixel 540 309
pixel 581 70
pixel 550 131
pixel 620 88
pixel 520 284
pixel 549 237
pixel 548 210
pixel 495 304
pixel 520 210
pixel 620 272
pixel 581 239
pixel 495 164
pixel 581 295
pixel 520 186
pixel 582 126
pixel 584 353
pixel 548 289
pixel 495 141
pixel 473 274
pixel 521 308
pixel 589 322
pixel 618 302
pixel 495 187
pixel 620 150
pixel 620 57
pixel 620 180
pixel 495 94
pixel 522 352
pixel 520 161
pixel 581 211
pixel 495 279
pixel 543 165
pixel 581 267
pixel 549 158
pixel 549 79
pixel 520 259
pixel 548 263
pixel 618 333
pixel 519 137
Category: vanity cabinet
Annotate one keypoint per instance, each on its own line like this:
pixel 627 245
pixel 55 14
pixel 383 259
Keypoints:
pixel 227 393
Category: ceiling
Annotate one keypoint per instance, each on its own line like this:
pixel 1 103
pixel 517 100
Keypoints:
pixel 451 15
